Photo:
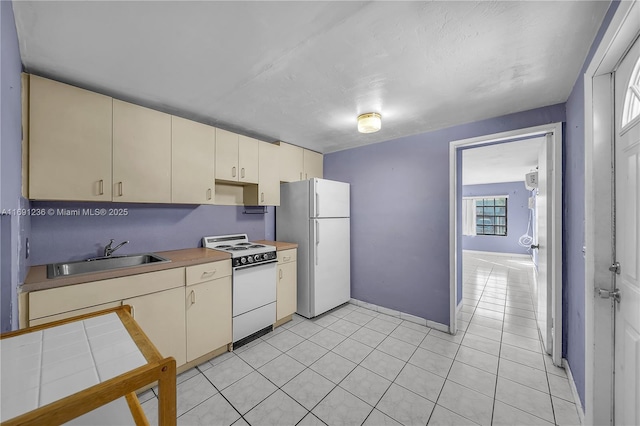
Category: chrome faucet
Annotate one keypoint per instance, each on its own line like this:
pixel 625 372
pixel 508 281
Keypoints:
pixel 108 251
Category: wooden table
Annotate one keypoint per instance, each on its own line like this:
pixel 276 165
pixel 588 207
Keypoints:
pixel 56 372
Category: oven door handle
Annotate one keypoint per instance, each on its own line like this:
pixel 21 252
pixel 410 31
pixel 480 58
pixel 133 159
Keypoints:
pixel 239 268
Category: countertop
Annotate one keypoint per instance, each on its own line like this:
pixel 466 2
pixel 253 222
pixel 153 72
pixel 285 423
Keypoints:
pixel 280 245
pixel 37 276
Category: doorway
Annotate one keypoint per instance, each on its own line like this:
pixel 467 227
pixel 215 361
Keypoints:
pixel 550 306
pixel 612 134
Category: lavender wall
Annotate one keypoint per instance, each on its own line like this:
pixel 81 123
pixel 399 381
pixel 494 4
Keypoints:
pixel 148 227
pixel 400 194
pixel 517 218
pixel 14 229
pixel 573 329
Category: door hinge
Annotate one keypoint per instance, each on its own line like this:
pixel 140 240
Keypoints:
pixel 609 294
pixel 615 267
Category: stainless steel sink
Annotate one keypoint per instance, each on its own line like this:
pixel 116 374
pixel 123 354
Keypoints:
pixel 100 264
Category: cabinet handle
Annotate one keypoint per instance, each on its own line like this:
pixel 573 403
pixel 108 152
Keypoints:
pixel 101 187
pixel 193 297
pixel 306 176
pixel 300 175
pixel 120 189
pixel 209 194
pixel 280 272
pixel 233 171
pixel 242 172
pixel 207 274
pixel 286 258
pixel 262 197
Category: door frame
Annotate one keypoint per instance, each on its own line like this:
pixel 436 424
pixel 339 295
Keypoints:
pixel 555 274
pixel 599 134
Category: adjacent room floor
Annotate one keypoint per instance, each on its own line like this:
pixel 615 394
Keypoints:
pixel 355 366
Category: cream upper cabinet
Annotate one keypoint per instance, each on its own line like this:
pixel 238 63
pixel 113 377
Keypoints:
pixel 287 284
pixel 236 157
pixel 162 318
pixel 291 162
pixel 269 184
pixel 226 155
pixel 248 159
pixel 192 162
pixel 208 307
pixel 313 163
pixel 69 142
pixel 141 154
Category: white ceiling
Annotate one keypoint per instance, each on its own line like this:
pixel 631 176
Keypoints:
pixel 302 71
pixel 504 162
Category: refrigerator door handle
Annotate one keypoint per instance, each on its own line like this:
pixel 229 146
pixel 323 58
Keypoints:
pixel 317 239
pixel 317 204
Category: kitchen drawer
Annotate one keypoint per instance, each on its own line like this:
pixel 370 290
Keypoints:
pixel 78 296
pixel 286 256
pixel 208 271
pixel 77 312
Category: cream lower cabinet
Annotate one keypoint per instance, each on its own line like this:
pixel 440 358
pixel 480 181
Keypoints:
pixel 162 317
pixel 287 285
pixel 208 307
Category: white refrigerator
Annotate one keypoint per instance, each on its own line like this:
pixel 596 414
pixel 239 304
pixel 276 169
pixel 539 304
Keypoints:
pixel 315 214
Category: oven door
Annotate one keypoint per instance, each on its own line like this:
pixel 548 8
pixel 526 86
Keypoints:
pixel 253 286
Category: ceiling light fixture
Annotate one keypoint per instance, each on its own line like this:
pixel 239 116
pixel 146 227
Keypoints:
pixel 369 122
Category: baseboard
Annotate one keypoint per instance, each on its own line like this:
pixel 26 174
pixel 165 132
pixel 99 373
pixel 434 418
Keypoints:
pixel 574 390
pixel 401 315
pixel 495 253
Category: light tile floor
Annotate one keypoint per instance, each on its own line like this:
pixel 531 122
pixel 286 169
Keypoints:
pixel 355 366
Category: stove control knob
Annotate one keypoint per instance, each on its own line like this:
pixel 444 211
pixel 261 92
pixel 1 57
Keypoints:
pixel 257 257
pixel 250 259
pixel 265 256
pixel 243 260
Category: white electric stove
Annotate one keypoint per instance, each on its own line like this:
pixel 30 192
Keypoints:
pixel 254 284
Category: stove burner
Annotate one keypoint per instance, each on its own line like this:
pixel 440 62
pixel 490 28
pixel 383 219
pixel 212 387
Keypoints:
pixel 236 248
pixel 256 246
pixel 243 244
pixel 224 246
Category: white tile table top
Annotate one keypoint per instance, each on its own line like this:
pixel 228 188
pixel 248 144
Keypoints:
pixel 47 365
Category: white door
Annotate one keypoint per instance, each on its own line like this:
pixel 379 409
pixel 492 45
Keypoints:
pixel 543 291
pixel 627 236
pixel 329 198
pixel 330 263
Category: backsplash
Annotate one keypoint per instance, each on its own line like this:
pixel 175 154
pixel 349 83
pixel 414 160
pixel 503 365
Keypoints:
pixel 77 230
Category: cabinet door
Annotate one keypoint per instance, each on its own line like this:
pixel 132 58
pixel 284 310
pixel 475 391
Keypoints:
pixel 248 159
pixel 226 155
pixel 269 185
pixel 69 142
pixel 287 294
pixel 291 162
pixel 208 308
pixel 312 164
pixel 141 154
pixel 192 162
pixel 162 318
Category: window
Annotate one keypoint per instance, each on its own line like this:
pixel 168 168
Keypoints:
pixel 631 108
pixel 491 216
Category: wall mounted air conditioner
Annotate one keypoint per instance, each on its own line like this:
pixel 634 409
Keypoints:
pixel 531 180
